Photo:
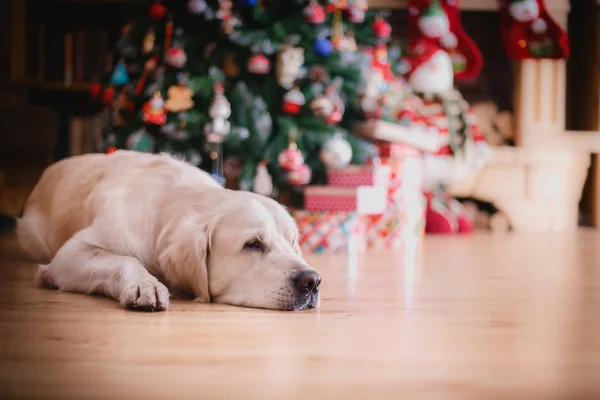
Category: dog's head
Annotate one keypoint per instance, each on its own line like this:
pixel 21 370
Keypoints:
pixel 238 248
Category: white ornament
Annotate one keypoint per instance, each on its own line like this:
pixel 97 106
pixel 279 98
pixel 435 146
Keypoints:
pixel 219 112
pixel 435 76
pixel 539 26
pixel 434 26
pixel 524 11
pixel 336 152
pixel 197 6
pixel 262 184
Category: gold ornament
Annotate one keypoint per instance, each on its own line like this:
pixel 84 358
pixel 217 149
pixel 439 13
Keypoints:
pixel 179 99
pixel 149 41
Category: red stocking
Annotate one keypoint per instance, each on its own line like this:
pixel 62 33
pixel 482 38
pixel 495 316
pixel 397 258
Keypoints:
pixel 528 31
pixel 438 21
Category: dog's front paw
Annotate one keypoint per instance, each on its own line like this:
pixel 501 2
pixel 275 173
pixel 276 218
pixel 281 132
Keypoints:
pixel 146 296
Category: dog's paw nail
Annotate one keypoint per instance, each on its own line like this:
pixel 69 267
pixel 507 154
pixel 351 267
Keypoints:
pixel 146 296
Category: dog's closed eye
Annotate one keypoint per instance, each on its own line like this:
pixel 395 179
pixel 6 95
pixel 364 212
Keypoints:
pixel 254 245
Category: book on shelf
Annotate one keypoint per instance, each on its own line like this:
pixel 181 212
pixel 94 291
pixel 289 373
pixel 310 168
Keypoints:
pixel 85 133
pixel 75 55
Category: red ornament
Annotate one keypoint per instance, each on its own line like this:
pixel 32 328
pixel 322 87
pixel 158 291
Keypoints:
pixel 111 149
pixel 356 15
pixel 157 11
pixel 259 64
pixel 381 29
pixel 154 110
pixel 293 101
pixel 300 176
pixel 314 13
pixel 95 90
pixel 291 158
pixel 176 57
pixel 108 95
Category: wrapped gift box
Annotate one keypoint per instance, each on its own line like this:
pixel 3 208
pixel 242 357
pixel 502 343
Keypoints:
pixel 365 200
pixel 360 175
pixel 329 230
pixel 402 224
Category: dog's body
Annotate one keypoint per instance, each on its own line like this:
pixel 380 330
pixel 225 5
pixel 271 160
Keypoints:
pixel 128 225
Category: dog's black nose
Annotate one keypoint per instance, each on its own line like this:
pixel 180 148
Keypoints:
pixel 308 280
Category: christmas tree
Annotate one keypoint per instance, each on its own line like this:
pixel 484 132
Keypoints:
pixel 275 83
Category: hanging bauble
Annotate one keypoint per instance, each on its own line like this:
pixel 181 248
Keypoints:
pixel 293 101
pixel 323 47
pixel 259 64
pixel 179 98
pixel 154 110
pixel 157 11
pixel 120 76
pixel 263 184
pixel 176 57
pixel 291 158
pixel 381 29
pixel 197 6
pixel 314 13
pixel 219 112
pixel 336 152
pixel 300 176
pixel 108 95
pixel 140 141
pixel 95 90
pixel 356 15
pixel 249 3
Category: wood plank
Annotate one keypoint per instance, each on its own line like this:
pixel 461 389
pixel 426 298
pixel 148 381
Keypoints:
pixel 482 317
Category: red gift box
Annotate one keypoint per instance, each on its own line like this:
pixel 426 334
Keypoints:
pixel 366 200
pixel 329 230
pixel 359 175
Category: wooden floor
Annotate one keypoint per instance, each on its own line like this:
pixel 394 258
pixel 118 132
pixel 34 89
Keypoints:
pixel 505 317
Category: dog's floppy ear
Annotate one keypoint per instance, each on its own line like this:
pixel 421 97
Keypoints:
pixel 183 249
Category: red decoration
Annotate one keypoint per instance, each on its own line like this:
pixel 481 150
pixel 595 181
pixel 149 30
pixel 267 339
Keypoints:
pixel 528 31
pixel 108 95
pixel 111 149
pixel 439 22
pixel 300 176
pixel 157 11
pixel 154 110
pixel 95 90
pixel 293 101
pixel 176 57
pixel 381 29
pixel 314 13
pixel 336 5
pixel 356 15
pixel 259 64
pixel 291 158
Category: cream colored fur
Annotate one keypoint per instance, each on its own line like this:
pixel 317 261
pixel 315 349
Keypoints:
pixel 135 226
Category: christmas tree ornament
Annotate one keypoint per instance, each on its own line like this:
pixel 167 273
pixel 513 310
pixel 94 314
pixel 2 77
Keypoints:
pixel 289 63
pixel 149 40
pixel 318 73
pixel 157 11
pixel 111 149
pixel 168 37
pixel 259 64
pixel 439 22
pixel 176 57
pixel 225 9
pixel 329 105
pixel 300 176
pixel 154 112
pixel 219 112
pixel 314 13
pixel 381 29
pixel 179 98
pixel 197 6
pixel 293 101
pixel 230 67
pixel 336 152
pixel 262 184
pixel 529 32
pixel 120 77
pixel 291 158
pixel 336 5
pixel 345 42
pixel 140 140
pixel 356 11
pixel 323 47
pixel 108 95
pixel 95 90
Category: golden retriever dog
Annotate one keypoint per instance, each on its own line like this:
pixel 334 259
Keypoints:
pixel 139 227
